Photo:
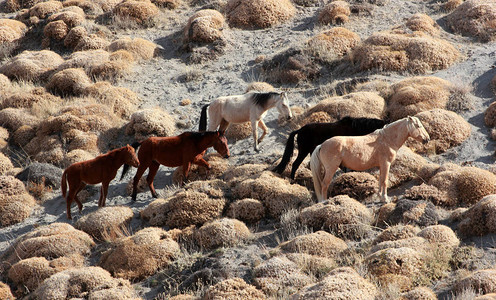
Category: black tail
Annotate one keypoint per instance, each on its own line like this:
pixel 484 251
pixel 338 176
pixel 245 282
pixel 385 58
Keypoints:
pixel 288 152
pixel 203 118
pixel 135 145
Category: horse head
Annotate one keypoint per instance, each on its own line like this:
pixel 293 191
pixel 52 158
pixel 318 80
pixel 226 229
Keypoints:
pixel 220 145
pixel 131 158
pixel 417 130
pixel 283 105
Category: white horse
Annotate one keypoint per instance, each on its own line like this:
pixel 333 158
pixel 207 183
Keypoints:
pixel 359 153
pixel 251 107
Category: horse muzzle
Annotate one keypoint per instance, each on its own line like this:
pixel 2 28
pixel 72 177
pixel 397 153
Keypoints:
pixel 426 140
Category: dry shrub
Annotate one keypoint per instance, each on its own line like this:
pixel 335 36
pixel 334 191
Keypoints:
pixel 277 194
pixel 313 265
pixel 416 52
pixel 75 35
pixel 340 283
pixel 473 184
pixel 450 5
pixel 252 14
pixel 418 243
pixel 357 185
pixel 482 281
pixel 292 66
pixel 85 59
pixel 169 4
pixel 141 254
pixel 5 292
pixel 88 282
pixel 32 65
pixel 29 273
pixel 419 213
pixel 341 215
pixel 90 8
pixel 75 156
pixel 5 164
pixel 122 101
pixel 150 122
pixel 183 209
pixel 441 235
pixel 91 42
pixel 260 86
pixel 479 219
pixel 215 188
pixel 140 12
pixel 424 23
pixel 430 193
pixel 490 115
pixel 240 173
pixel 36 100
pixel 238 131
pixel 223 232
pixel 106 222
pixel 419 293
pixel 139 48
pixel 279 277
pixel 476 18
pixel 356 105
pixel 446 129
pixel 205 26
pixel 11 30
pixel 110 70
pixel 319 243
pixel 5 85
pixel 219 166
pixel 416 94
pixel 49 241
pixel 397 232
pixel 247 210
pixel 71 18
pixel 14 118
pixel 68 82
pixel 44 9
pixel 235 289
pixel 335 12
pixel 333 43
pixel 15 202
pixel 405 167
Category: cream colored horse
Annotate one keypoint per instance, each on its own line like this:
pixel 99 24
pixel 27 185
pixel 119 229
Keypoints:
pixel 251 107
pixel 359 153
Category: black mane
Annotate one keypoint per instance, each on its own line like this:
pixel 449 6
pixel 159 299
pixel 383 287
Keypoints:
pixel 261 99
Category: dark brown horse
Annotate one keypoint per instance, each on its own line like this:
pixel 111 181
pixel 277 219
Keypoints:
pixel 175 151
pixel 314 134
pixel 102 169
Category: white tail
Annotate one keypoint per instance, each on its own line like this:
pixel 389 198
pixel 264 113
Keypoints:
pixel 315 166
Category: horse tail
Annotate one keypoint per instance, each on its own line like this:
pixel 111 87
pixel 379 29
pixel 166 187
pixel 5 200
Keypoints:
pixel 203 118
pixel 63 183
pixel 135 145
pixel 315 166
pixel 288 152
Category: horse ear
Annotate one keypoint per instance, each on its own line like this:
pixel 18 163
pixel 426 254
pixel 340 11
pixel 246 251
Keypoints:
pixel 221 132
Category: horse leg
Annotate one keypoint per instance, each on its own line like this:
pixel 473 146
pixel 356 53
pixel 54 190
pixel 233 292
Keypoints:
pixel 299 159
pixel 103 193
pixel 254 127
pixel 262 125
pixel 80 188
pixel 328 175
pixel 152 171
pixel 203 163
pixel 141 169
pixel 186 167
pixel 383 179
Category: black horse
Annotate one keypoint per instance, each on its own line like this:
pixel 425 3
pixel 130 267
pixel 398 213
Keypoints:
pixel 314 134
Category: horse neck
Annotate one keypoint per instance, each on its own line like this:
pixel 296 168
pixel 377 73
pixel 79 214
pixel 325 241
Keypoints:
pixel 206 141
pixel 396 134
pixel 117 158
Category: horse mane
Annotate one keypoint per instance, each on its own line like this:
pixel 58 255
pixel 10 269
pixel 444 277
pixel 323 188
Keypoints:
pixel 262 98
pixel 361 123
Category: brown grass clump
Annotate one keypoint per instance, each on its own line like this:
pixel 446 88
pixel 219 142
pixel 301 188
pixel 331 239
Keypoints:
pixel 247 210
pixel 446 130
pixel 49 241
pixel 5 164
pixel 356 105
pixel 440 234
pixel 44 9
pixel 68 82
pixel 205 26
pixel 71 18
pixel 340 283
pixel 482 281
pixel 319 243
pixel 416 94
pixel 479 219
pixel 122 101
pixel 16 203
pixel 490 115
pixel 277 194
pixel 240 173
pixel 150 122
pixel 238 131
pixel 260 86
pixel 419 293
pixel 279 277
pixel 85 59
pixel 29 273
pixel 139 48
pixel 90 8
pixel 106 222
pixel 476 18
pixel 357 185
pixel 156 212
pixel 219 166
pixel 36 100
pixel 397 232
pixel 91 42
pixel 140 12
pixel 141 254
pixel 333 43
pixel 223 232
pixel 251 14
pixel 430 193
pixel 88 282
pixel 5 292
pixel 405 167
pixel 11 31
pixel 473 184
pixel 418 243
pixel 75 35
pixel 335 12
pixel 14 118
pixel 235 289
pixel 5 85
pixel 424 23
pixel 169 4
pixel 32 65
pixel 341 215
pixel 421 213
pixel 415 52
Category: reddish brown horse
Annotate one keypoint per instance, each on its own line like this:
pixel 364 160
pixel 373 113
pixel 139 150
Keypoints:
pixel 175 151
pixel 102 169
